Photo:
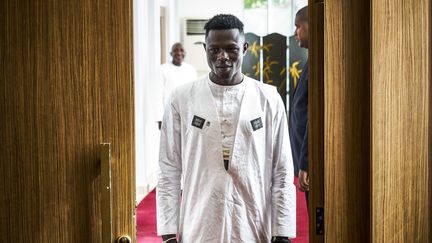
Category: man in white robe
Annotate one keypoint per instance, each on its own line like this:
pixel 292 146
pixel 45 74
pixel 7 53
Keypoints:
pixel 228 135
pixel 176 72
pixel 173 74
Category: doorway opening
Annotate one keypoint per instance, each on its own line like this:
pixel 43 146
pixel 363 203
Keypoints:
pixel 157 25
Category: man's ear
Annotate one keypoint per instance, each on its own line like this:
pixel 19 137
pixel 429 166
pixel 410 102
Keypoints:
pixel 245 47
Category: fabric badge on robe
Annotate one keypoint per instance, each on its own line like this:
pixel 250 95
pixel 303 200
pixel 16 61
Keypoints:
pixel 256 123
pixel 198 122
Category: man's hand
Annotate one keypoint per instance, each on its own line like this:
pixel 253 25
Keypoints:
pixel 278 239
pixel 169 238
pixel 303 181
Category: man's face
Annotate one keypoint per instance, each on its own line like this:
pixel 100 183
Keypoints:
pixel 225 50
pixel 177 54
pixel 301 32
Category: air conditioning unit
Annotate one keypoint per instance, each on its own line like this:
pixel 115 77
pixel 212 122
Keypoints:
pixel 193 39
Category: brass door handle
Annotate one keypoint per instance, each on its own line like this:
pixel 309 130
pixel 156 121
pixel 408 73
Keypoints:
pixel 124 239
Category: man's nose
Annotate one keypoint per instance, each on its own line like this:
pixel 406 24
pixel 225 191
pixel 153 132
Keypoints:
pixel 222 54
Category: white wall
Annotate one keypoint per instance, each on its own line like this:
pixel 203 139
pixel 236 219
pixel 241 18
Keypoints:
pixel 209 8
pixel 173 28
pixel 146 61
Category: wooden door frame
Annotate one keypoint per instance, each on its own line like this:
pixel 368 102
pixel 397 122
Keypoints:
pixel 316 118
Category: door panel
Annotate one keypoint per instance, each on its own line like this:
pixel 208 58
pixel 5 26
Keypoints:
pixel 347 121
pixel 377 126
pixel 401 61
pixel 66 87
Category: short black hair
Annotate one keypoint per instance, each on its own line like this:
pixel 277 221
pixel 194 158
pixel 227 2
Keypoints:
pixel 303 14
pixel 223 22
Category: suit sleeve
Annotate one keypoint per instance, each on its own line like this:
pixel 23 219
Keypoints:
pixel 283 188
pixel 170 169
pixel 304 153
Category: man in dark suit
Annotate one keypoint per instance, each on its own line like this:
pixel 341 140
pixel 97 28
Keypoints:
pixel 298 128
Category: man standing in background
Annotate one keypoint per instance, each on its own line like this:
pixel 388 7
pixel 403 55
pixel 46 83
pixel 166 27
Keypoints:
pixel 299 109
pixel 173 74
pixel 176 72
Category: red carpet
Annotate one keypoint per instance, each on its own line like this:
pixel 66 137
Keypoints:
pixel 146 219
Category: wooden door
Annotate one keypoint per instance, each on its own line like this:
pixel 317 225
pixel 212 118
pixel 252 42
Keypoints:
pixel 401 121
pixel 347 121
pixel 66 86
pixel 377 126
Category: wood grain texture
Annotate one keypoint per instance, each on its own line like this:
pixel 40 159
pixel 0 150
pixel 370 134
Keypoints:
pixel 400 106
pixel 346 121
pixel 316 115
pixel 66 87
pixel 430 124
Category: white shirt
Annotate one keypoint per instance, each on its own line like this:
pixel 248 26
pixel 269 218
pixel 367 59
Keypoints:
pixel 228 101
pixel 174 76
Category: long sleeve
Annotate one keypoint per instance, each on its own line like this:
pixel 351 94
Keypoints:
pixel 299 117
pixel 158 94
pixel 304 152
pixel 283 188
pixel 168 187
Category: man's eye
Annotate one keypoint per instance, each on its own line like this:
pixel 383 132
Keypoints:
pixel 212 50
pixel 234 49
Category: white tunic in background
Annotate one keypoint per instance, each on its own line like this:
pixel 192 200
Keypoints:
pixel 251 201
pixel 174 76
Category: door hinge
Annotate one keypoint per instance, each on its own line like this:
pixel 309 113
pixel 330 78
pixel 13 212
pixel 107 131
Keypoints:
pixel 319 219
